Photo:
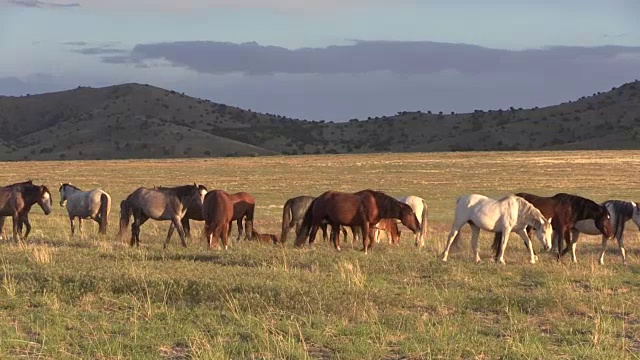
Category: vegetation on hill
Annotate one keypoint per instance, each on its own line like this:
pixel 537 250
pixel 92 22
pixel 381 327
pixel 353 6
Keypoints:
pixel 142 121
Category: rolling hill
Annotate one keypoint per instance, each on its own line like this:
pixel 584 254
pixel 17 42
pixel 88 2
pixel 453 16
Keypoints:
pixel 142 121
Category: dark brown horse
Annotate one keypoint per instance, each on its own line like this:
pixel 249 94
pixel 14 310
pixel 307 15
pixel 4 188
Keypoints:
pixel 158 204
pixel 217 210
pixel 363 209
pixel 293 215
pixel 16 201
pixel 565 210
pixel 24 220
pixel 243 208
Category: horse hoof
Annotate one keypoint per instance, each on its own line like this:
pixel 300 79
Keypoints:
pixel 338 248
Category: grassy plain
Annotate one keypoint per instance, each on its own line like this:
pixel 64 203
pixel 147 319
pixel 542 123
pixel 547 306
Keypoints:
pixel 97 298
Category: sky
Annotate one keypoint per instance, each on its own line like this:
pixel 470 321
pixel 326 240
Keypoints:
pixel 326 59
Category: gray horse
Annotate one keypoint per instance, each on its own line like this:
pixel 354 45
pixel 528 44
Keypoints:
pixel 93 204
pixel 159 204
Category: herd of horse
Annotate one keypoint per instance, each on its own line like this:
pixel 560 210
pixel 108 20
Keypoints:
pixel 557 219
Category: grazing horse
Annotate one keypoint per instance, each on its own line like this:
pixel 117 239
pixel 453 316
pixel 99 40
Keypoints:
pixel 16 201
pixel 565 210
pixel 194 211
pixel 390 227
pixel 244 206
pixel 93 204
pixel 293 215
pixel 508 214
pixel 362 209
pixel 217 210
pixel 419 206
pixel 157 204
pixel 23 220
pixel 620 212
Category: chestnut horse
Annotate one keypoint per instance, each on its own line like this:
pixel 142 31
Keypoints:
pixel 293 214
pixel 217 210
pixel 265 238
pixel 362 209
pixel 565 210
pixel 243 208
pixel 390 227
pixel 17 200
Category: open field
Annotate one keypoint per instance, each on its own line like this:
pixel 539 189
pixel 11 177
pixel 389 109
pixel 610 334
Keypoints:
pixel 97 298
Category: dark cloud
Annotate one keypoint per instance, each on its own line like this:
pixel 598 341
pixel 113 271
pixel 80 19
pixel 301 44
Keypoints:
pixel 76 43
pixel 370 56
pixel 40 4
pixel 100 51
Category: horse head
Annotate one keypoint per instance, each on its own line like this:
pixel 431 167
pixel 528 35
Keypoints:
pixel 63 193
pixel 603 222
pixel 44 199
pixel 544 233
pixel 409 218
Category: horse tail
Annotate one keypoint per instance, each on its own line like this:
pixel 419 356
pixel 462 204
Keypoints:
pixel 287 215
pixel 305 228
pixel 125 215
pixel 424 222
pixel 105 204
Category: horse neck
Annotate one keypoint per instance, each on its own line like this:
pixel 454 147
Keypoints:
pixel 70 190
pixel 30 194
pixel 529 214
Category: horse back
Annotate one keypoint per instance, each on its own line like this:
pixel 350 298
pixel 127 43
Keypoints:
pixel 341 208
pixel 217 208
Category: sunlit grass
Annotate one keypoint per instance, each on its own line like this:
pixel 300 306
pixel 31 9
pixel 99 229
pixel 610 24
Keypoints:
pixel 65 297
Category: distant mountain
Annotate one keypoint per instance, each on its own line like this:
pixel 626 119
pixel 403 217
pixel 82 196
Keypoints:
pixel 142 121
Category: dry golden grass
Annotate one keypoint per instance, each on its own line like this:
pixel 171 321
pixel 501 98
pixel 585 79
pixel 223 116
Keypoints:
pixel 97 298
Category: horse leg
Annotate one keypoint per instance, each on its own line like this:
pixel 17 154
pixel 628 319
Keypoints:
pixel 335 236
pixel 524 235
pixel 622 250
pixel 169 235
pixel 80 227
pixel 225 238
pixel 186 226
pixel 239 224
pixel 452 236
pixel 475 234
pixel 27 225
pixel 368 236
pixel 604 249
pixel 142 218
pixel 178 226
pixel 503 244
pixel 313 232
pixel 574 241
pixel 73 230
pixel 16 219
pixel 248 229
pixel 323 227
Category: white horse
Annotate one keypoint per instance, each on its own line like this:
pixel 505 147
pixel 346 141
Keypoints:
pixel 93 204
pixel 508 214
pixel 620 212
pixel 421 210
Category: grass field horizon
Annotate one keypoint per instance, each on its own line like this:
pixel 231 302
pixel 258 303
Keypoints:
pixel 64 297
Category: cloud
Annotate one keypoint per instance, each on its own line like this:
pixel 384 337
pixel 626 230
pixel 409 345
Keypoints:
pixel 41 4
pixel 359 80
pixel 370 56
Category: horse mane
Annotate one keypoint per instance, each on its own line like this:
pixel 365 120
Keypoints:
pixel 28 182
pixel 71 186
pixel 181 191
pixel 528 211
pixel 386 204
